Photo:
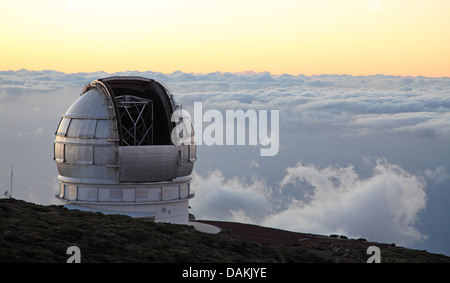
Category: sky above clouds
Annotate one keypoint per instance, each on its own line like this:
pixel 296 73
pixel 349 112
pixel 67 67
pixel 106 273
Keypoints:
pixel 362 156
pixel 356 37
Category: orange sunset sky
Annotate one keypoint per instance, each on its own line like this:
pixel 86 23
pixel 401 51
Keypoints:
pixel 355 37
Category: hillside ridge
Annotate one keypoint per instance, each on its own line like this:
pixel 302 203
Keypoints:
pixel 37 233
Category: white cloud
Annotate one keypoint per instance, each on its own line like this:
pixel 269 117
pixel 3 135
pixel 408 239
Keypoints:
pixel 354 105
pixel 437 175
pixel 420 124
pixel 221 198
pixel 382 207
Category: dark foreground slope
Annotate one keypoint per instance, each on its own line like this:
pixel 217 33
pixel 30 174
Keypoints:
pixel 35 233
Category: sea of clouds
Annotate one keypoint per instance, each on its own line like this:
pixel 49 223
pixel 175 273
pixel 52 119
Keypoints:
pixel 362 156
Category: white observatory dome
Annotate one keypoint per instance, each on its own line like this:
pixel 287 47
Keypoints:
pixel 114 153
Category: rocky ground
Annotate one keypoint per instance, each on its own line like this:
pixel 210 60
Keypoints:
pixel 36 233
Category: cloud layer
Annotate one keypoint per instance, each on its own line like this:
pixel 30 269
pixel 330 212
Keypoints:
pixel 383 207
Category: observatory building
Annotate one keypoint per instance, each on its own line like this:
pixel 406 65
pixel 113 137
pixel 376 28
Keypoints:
pixel 114 153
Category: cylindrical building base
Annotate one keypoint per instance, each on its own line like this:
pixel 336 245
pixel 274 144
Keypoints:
pixel 157 201
pixel 169 212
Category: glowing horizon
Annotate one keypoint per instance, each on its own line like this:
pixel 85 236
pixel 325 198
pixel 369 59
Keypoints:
pixel 353 37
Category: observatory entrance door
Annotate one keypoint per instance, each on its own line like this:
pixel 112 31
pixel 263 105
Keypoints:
pixel 136 117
